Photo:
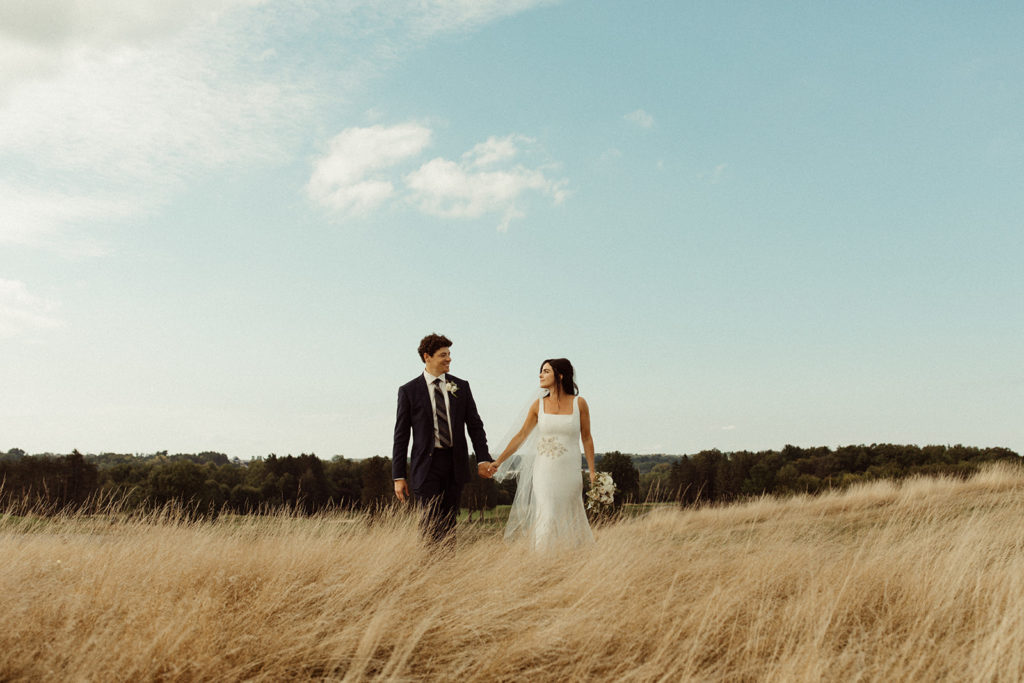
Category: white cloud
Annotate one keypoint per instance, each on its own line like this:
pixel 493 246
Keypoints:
pixel 452 190
pixel 340 180
pixel 117 104
pixel 60 22
pixel 33 217
pixel 130 114
pixel 494 150
pixel 21 312
pixel 359 173
pixel 428 17
pixel 105 106
pixel 640 118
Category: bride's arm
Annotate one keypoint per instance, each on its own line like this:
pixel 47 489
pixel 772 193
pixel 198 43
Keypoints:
pixel 588 440
pixel 517 440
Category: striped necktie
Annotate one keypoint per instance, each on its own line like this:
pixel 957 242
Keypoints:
pixel 444 431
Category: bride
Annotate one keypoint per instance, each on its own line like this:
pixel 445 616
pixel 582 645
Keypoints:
pixel 545 457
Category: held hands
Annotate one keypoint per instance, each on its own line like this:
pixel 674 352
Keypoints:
pixel 486 469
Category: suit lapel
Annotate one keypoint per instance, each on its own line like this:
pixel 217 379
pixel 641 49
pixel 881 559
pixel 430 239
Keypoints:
pixel 453 399
pixel 424 392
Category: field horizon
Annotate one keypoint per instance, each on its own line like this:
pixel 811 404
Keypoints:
pixel 917 580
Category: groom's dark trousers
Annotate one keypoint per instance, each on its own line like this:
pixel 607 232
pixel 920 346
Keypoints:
pixel 436 475
pixel 439 496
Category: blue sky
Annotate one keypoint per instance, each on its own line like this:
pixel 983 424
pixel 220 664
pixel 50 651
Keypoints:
pixel 225 225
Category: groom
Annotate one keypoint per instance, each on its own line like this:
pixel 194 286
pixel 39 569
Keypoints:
pixel 439 409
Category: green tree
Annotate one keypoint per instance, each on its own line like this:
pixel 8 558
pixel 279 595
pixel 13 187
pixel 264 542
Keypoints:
pixel 787 478
pixel 345 479
pixel 245 499
pixel 706 476
pixel 378 488
pixel 80 479
pixel 655 484
pixel 179 481
pixel 682 480
pixel 13 454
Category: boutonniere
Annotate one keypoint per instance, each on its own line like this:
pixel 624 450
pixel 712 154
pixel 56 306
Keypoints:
pixel 451 388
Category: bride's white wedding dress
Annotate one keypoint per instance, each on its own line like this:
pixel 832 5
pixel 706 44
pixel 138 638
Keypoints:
pixel 548 508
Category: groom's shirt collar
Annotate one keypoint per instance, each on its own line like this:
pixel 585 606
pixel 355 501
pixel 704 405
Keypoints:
pixel 430 378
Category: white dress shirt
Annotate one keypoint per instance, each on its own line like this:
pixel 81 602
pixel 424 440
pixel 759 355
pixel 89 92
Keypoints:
pixel 433 405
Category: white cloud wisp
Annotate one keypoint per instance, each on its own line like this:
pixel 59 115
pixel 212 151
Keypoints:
pixel 21 311
pixel 460 190
pixel 117 105
pixel 351 179
pixel 640 118
pixel 348 178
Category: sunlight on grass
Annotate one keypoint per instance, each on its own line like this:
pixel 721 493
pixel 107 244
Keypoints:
pixel 922 580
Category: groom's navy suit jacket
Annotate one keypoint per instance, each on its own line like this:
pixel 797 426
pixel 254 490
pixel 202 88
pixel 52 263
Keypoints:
pixel 416 414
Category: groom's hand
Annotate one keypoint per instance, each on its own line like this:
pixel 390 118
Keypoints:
pixel 485 469
pixel 401 490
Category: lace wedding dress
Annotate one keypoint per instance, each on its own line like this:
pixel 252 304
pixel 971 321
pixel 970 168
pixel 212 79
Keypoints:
pixel 548 508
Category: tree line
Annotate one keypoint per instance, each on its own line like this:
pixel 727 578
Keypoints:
pixel 203 482
pixel 210 482
pixel 712 476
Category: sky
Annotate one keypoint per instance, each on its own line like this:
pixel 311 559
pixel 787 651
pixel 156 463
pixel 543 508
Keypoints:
pixel 226 224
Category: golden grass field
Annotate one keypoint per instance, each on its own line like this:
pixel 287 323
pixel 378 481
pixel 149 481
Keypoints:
pixel 921 581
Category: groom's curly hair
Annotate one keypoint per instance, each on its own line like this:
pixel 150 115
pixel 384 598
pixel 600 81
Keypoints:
pixel 431 343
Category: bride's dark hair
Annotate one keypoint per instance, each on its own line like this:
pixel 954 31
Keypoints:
pixel 564 375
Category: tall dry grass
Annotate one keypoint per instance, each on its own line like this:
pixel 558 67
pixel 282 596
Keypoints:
pixel 919 581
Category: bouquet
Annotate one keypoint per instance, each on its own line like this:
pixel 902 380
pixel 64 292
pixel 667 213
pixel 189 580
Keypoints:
pixel 602 492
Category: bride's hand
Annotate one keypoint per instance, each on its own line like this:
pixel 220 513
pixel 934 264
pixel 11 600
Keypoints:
pixel 593 478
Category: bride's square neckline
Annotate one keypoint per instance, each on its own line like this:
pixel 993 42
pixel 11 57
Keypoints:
pixel 572 407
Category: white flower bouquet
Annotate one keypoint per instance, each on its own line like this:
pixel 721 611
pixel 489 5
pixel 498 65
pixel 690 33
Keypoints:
pixel 602 492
